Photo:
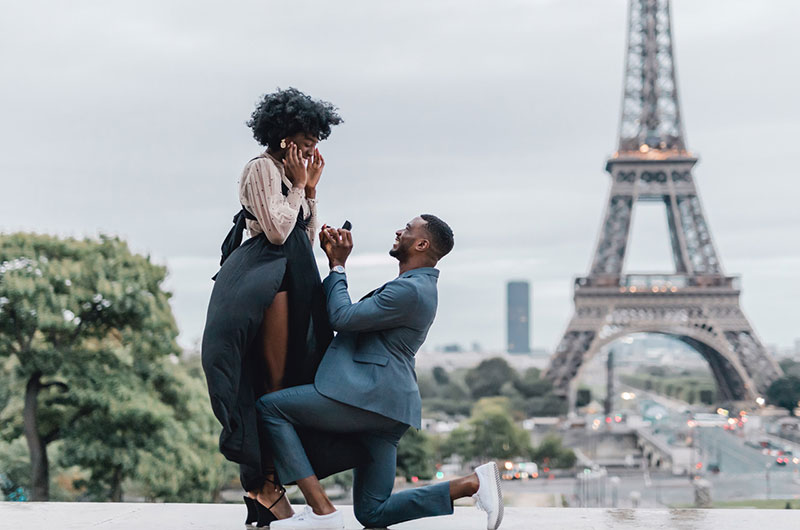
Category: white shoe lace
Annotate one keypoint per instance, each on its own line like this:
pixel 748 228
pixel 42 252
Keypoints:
pixel 301 516
pixel 478 503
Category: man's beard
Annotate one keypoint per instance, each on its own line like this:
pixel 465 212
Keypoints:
pixel 399 253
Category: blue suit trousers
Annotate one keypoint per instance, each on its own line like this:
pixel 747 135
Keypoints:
pixel 373 502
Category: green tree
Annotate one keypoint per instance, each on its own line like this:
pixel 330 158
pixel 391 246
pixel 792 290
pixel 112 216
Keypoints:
pixel 548 405
pixel 459 442
pixel 531 384
pixel 551 452
pixel 495 435
pixel 456 391
pixel 440 375
pixel 427 386
pixel 488 377
pixel 415 455
pixel 86 333
pixel 489 433
pixel 785 392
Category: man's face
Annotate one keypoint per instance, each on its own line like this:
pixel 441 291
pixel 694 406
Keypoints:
pixel 406 238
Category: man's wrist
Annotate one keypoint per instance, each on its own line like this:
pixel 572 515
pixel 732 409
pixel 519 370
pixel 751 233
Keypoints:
pixel 335 263
pixel 311 192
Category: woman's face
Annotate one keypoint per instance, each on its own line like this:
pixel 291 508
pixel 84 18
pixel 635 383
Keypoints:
pixel 306 142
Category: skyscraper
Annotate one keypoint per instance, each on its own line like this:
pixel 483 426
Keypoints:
pixel 518 296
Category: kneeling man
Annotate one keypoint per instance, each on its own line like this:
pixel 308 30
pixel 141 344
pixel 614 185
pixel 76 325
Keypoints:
pixel 366 384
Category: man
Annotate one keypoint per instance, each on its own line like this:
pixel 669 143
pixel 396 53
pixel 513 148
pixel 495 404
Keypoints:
pixel 366 384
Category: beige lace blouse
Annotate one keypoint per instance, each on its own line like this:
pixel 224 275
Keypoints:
pixel 276 214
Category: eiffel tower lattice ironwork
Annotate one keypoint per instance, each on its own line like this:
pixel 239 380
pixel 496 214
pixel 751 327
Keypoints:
pixel 698 303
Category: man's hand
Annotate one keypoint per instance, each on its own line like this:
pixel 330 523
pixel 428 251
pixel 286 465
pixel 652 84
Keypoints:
pixel 337 243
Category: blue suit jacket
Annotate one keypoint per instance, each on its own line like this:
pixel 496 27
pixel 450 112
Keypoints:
pixel 370 363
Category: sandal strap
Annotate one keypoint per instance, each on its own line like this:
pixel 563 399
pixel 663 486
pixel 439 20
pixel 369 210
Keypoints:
pixel 283 494
pixel 283 490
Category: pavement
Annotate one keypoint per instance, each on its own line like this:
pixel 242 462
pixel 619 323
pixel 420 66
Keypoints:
pixel 147 516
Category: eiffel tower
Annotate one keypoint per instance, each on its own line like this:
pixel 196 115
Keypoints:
pixel 698 303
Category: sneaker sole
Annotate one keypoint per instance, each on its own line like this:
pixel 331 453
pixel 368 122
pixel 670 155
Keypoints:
pixel 499 497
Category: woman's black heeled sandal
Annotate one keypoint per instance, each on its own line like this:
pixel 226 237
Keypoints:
pixel 252 511
pixel 260 513
pixel 265 515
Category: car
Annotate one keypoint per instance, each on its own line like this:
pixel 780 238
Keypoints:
pixel 782 460
pixel 520 471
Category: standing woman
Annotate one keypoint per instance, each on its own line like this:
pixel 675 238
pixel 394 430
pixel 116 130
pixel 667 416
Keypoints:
pixel 267 326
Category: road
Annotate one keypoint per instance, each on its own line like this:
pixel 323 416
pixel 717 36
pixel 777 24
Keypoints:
pixel 745 473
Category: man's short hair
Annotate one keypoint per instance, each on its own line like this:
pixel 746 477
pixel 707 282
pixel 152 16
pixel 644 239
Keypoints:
pixel 441 235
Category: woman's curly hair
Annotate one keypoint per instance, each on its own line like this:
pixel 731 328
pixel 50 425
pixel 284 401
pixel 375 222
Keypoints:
pixel 287 112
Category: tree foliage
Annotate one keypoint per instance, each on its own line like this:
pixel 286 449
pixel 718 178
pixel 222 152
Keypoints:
pixel 415 455
pixel 454 393
pixel 552 453
pixel 87 337
pixel 489 433
pixel 785 392
pixel 440 375
pixel 489 376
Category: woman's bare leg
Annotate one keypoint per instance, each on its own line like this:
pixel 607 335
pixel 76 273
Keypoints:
pixel 275 339
pixel 274 336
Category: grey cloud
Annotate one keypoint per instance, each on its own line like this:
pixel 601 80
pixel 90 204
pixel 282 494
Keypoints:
pixel 128 118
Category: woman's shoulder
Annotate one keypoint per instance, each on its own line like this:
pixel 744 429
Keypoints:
pixel 263 162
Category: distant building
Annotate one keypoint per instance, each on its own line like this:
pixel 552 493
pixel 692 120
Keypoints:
pixel 427 360
pixel 518 295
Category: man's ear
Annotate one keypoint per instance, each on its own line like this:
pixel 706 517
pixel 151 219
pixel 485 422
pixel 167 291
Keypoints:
pixel 422 245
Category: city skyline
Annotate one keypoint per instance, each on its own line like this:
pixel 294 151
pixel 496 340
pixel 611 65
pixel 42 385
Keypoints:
pixel 129 119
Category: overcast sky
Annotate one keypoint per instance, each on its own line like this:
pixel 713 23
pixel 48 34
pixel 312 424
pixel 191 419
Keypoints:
pixel 128 118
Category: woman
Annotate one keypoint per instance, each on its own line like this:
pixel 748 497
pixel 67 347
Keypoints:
pixel 267 327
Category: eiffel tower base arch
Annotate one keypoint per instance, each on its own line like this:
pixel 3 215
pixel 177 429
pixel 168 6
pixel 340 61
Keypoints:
pixel 707 318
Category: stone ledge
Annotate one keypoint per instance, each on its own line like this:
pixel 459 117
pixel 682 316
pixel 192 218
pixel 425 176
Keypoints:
pixel 132 516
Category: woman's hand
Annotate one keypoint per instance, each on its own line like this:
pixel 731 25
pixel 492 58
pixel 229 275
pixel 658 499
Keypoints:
pixel 315 165
pixel 295 167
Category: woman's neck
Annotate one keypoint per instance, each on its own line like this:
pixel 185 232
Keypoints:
pixel 277 155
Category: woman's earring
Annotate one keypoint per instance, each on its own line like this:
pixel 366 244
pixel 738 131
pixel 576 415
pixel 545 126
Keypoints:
pixel 283 143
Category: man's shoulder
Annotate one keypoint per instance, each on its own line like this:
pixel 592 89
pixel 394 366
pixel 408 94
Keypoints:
pixel 419 287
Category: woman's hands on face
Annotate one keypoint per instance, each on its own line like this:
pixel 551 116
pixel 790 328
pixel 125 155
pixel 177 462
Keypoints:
pixel 314 169
pixel 295 167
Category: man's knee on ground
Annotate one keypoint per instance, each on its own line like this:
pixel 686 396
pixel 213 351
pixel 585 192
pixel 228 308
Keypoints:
pixel 369 513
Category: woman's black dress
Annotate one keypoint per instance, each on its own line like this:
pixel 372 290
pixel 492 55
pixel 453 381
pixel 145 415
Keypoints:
pixel 233 361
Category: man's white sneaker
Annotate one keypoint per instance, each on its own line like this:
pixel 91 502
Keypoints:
pixel 307 519
pixel 489 497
